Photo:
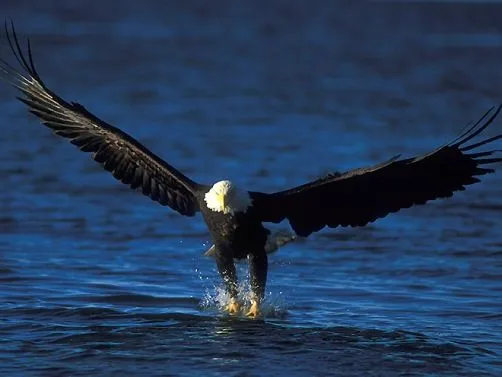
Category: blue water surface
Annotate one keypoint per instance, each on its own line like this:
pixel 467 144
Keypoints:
pixel 97 280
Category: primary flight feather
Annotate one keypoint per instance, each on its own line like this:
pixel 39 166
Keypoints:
pixel 234 216
pixel 360 196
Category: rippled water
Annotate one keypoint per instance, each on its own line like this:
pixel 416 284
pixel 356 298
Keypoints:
pixel 98 280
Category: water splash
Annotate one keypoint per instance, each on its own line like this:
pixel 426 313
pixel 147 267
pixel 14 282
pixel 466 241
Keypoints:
pixel 216 298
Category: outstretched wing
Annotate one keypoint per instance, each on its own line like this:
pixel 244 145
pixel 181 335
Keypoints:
pixel 360 196
pixel 128 161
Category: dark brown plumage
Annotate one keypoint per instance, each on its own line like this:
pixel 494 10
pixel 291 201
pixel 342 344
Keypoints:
pixel 235 217
pixel 128 161
pixel 360 196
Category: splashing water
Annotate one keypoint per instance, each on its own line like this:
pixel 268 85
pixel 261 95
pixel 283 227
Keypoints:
pixel 216 298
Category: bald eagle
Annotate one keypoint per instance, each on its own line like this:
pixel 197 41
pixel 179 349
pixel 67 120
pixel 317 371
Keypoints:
pixel 235 216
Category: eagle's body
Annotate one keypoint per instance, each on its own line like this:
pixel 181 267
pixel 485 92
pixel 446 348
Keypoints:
pixel 237 234
pixel 234 216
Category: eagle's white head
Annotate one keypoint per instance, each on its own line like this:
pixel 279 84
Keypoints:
pixel 225 197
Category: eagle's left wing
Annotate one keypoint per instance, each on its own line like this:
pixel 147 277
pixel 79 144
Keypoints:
pixel 360 196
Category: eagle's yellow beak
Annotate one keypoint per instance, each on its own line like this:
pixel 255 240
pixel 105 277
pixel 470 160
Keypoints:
pixel 222 199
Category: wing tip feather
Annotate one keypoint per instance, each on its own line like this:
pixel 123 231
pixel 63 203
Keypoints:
pixel 478 127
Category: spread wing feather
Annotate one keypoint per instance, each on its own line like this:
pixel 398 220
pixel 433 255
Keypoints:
pixel 360 196
pixel 128 161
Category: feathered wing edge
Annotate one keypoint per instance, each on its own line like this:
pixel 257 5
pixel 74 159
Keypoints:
pixel 128 161
pixel 470 132
pixel 474 131
pixel 294 203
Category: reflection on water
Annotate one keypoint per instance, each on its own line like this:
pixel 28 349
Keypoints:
pixel 213 342
pixel 98 280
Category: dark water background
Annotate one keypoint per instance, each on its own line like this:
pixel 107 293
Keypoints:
pixel 96 280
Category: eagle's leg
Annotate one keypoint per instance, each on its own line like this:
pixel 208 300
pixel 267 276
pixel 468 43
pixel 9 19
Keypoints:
pixel 258 266
pixel 226 268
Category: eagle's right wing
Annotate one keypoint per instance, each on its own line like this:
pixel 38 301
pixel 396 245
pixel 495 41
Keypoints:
pixel 128 160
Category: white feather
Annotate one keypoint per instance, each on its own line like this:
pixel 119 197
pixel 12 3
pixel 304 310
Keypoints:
pixel 225 197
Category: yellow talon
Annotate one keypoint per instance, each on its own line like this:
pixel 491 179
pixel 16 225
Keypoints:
pixel 254 310
pixel 233 306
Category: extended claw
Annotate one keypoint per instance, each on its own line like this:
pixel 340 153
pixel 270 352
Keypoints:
pixel 254 310
pixel 233 306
